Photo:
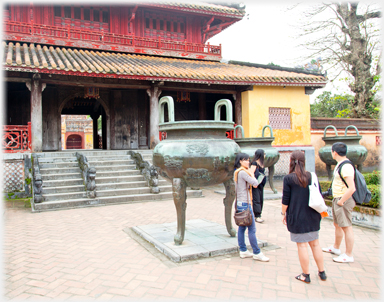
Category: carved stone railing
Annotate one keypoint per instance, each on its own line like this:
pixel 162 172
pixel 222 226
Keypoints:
pixel 89 175
pixel 37 181
pixel 147 170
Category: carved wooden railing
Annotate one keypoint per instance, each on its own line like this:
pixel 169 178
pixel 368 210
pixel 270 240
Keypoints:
pixel 17 138
pixel 38 31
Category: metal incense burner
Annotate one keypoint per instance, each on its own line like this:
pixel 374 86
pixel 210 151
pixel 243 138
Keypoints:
pixel 196 154
pixel 250 144
pixel 355 152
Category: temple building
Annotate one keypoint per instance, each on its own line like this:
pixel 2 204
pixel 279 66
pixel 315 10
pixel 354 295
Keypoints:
pixel 116 61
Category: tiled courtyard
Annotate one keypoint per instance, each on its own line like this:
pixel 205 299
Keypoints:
pixel 84 254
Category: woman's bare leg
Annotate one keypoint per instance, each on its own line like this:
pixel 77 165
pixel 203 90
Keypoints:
pixel 317 254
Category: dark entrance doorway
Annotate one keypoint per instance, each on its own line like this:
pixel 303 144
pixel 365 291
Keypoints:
pixel 93 108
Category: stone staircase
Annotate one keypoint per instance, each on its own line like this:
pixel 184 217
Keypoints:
pixel 117 180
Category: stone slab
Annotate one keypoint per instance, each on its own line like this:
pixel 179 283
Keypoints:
pixel 203 238
pixel 268 194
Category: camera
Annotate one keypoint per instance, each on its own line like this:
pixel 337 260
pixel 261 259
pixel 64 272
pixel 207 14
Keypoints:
pixel 327 193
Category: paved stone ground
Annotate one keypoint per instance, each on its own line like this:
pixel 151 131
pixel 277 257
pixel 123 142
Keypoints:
pixel 84 254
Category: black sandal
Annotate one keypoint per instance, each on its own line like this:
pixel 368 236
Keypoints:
pixel 323 276
pixel 306 276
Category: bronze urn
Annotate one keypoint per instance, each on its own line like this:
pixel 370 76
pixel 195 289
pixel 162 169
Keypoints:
pixel 271 155
pixel 196 154
pixel 355 152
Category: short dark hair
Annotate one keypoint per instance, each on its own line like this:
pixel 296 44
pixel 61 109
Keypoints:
pixel 340 148
pixel 239 157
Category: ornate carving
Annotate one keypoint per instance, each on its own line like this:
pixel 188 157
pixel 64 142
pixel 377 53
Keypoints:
pixel 89 175
pixel 37 182
pixel 173 162
pixel 200 148
pixel 198 173
pixel 149 171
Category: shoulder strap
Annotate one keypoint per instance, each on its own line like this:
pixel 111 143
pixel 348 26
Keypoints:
pixel 339 169
pixel 314 178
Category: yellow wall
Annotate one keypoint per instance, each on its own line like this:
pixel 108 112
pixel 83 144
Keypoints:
pixel 255 113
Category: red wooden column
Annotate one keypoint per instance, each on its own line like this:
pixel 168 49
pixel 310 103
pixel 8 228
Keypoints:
pixel 154 93
pixel 36 87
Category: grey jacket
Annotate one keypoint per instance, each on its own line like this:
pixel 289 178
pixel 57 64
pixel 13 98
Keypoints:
pixel 244 180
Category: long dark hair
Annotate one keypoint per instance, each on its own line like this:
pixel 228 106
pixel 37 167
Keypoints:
pixel 259 155
pixel 297 166
pixel 239 157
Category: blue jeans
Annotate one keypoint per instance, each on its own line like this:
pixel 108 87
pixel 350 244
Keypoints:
pixel 241 206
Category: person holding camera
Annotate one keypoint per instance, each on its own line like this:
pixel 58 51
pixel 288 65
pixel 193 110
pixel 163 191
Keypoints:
pixel 342 205
pixel 301 220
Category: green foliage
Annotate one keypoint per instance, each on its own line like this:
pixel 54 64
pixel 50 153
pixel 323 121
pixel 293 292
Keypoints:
pixel 372 178
pixel 272 64
pixel 375 201
pixel 28 181
pixel 328 105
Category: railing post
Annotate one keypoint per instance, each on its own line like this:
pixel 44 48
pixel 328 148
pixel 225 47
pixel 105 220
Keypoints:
pixel 102 35
pixel 185 46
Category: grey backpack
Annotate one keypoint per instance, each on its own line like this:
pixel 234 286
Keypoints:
pixel 362 194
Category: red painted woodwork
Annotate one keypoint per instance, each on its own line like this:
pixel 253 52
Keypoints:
pixel 17 138
pixel 70 36
pixel 148 30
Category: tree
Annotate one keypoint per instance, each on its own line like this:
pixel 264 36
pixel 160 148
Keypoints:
pixel 347 39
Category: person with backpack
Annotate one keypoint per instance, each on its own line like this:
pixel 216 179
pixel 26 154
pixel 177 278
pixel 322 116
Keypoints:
pixel 342 204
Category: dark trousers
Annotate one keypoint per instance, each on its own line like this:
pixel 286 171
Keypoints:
pixel 257 201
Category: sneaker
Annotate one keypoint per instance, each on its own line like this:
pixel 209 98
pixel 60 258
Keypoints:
pixel 259 219
pixel 331 250
pixel 245 254
pixel 260 256
pixel 343 258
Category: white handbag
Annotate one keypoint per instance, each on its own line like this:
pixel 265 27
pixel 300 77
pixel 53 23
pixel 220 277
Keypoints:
pixel 316 200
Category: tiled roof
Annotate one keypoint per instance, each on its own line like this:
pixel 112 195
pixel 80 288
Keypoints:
pixel 49 59
pixel 199 7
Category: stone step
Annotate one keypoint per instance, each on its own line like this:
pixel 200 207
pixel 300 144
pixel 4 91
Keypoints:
pixel 108 200
pixel 115 168
pixel 146 197
pixel 124 185
pixel 62 182
pixel 58 165
pixel 130 191
pixel 70 170
pixel 62 176
pixel 118 179
pixel 68 195
pixel 63 189
pixel 112 173
pixel 43 160
pixel 111 162
pixel 109 157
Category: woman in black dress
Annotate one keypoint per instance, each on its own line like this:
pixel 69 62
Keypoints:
pixel 302 221
pixel 257 167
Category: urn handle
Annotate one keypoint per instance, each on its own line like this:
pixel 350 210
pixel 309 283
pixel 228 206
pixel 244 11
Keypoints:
pixel 330 126
pixel 351 126
pixel 270 129
pixel 171 108
pixel 242 131
pixel 224 102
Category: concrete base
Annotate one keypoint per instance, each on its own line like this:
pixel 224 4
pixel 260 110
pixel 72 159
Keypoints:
pixel 203 239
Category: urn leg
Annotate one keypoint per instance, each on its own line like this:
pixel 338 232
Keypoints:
pixel 271 172
pixel 329 171
pixel 228 202
pixel 179 198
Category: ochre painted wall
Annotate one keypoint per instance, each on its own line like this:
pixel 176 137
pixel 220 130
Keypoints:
pixel 255 113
